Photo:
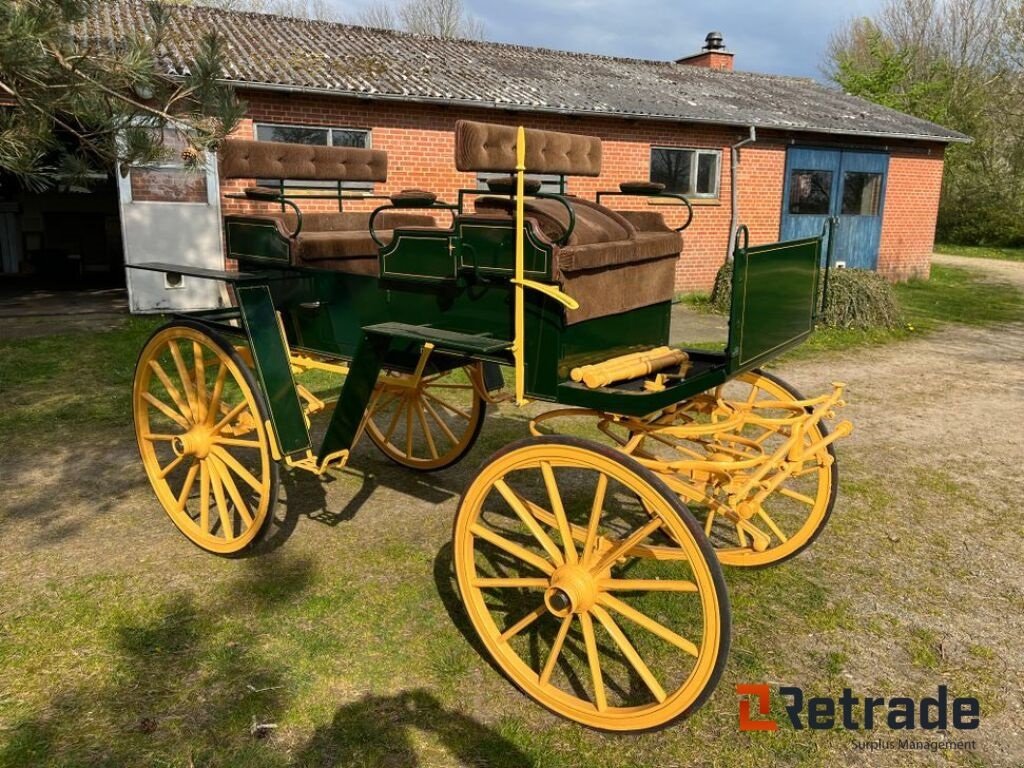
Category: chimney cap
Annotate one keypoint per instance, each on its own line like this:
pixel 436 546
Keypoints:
pixel 714 41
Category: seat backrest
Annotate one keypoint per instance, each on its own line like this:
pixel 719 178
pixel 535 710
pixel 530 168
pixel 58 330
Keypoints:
pixel 491 148
pixel 246 159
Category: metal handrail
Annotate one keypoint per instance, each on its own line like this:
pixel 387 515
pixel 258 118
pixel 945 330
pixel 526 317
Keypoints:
pixel 669 195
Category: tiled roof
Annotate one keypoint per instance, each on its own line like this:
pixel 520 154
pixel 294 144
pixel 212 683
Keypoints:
pixel 278 52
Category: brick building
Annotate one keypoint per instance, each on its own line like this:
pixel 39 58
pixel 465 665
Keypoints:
pixel 779 154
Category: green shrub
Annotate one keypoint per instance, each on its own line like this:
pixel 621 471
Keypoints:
pixel 857 298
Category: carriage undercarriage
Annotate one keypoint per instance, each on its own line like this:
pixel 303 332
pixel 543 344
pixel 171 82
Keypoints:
pixel 587 555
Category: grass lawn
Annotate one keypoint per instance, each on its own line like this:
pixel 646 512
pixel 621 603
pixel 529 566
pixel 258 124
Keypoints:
pixel 122 645
pixel 981 251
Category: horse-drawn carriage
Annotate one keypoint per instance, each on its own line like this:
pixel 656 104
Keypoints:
pixel 589 566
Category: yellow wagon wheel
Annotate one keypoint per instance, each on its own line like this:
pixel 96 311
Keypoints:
pixel 200 423
pixel 795 514
pixel 591 585
pixel 430 425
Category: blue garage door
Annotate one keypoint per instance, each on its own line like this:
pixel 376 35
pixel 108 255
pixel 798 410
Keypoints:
pixel 823 183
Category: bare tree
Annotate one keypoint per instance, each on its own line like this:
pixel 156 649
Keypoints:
pixel 301 9
pixel 442 18
pixel 959 63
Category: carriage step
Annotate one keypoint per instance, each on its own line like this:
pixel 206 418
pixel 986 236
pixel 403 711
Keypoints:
pixel 452 341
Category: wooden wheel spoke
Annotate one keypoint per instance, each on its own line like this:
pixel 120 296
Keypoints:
pixel 402 405
pixel 556 650
pixel 230 416
pixel 186 487
pixel 514 582
pixel 171 466
pixel 200 369
pixel 647 585
pixel 186 380
pixel 204 496
pixel 630 653
pixel 159 438
pixel 226 521
pixel 166 410
pixel 773 525
pixel 594 659
pixel 622 547
pixel 408 426
pixel 426 429
pixel 648 623
pixel 240 506
pixel 652 552
pixel 449 406
pixel 596 510
pixel 237 442
pixel 237 468
pixel 441 423
pixel 218 392
pixel 796 496
pixel 512 548
pixel 709 522
pixel 523 623
pixel 559 510
pixel 381 403
pixel 516 502
pixel 183 406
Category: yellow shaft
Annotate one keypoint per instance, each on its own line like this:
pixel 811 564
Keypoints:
pixel 518 345
pixel 628 367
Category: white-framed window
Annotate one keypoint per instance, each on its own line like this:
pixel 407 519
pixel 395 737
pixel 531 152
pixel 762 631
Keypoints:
pixel 549 182
pixel 320 136
pixel 690 172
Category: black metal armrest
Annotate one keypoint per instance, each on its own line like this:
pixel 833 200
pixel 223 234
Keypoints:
pixel 406 205
pixel 568 206
pixel 268 195
pixel 650 192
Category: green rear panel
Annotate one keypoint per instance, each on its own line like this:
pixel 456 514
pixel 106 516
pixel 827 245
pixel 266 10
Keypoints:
pixel 256 241
pixel 774 296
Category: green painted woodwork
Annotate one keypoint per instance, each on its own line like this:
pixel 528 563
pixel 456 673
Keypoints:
pixel 256 241
pixel 273 369
pixel 487 246
pixel 355 394
pixel 419 257
pixel 445 341
pixel 774 299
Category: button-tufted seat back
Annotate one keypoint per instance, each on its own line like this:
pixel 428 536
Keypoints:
pixel 244 159
pixel 486 147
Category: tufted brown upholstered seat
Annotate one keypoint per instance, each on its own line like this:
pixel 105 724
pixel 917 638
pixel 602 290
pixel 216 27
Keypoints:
pixel 613 262
pixel 341 241
pixel 336 241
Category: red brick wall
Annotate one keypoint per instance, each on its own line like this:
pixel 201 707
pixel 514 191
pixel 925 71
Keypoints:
pixel 420 144
pixel 911 207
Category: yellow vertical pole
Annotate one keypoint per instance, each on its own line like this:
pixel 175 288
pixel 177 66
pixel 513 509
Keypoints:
pixel 518 344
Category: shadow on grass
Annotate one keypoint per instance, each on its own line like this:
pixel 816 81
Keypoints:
pixel 184 682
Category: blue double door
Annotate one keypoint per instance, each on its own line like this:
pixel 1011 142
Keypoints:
pixel 832 183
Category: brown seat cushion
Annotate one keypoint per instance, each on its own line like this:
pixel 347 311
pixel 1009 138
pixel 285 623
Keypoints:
pixel 413 198
pixel 506 185
pixel 641 187
pixel 327 246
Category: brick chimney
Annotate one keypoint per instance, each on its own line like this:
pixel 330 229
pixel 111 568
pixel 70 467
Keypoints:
pixel 712 56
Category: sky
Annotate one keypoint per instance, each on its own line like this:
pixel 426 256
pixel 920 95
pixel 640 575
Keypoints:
pixel 786 37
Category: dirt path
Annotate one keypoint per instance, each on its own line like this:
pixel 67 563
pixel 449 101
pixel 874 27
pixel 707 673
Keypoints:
pixel 939 441
pixel 921 563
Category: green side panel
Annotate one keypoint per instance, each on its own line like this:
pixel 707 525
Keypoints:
pixel 273 370
pixel 255 241
pixel 488 247
pixel 774 295
pixel 355 394
pixel 419 256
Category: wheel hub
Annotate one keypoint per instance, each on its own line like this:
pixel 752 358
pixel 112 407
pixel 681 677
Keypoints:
pixel 196 442
pixel 572 590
